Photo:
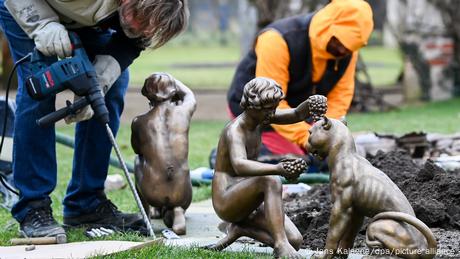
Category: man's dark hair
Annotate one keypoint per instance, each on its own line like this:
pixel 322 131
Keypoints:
pixel 160 20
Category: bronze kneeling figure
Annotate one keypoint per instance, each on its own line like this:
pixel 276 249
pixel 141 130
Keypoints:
pixel 247 193
pixel 360 190
pixel 160 140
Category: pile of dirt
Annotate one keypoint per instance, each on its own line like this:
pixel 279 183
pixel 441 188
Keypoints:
pixel 433 193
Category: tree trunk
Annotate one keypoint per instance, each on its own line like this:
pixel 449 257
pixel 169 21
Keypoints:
pixel 450 10
pixel 272 10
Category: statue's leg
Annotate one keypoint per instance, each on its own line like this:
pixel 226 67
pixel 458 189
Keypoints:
pixel 179 221
pixel 155 213
pixel 138 175
pixel 168 217
pixel 240 200
pixel 394 237
pixel 350 234
pixel 252 227
pixel 257 227
pixel 293 234
pixel 232 234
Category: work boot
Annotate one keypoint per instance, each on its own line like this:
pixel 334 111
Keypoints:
pixel 39 221
pixel 107 215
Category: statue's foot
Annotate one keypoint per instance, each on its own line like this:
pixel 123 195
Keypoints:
pixel 179 221
pixel 168 217
pixel 233 232
pixel 319 256
pixel 286 251
pixel 155 213
pixel 213 247
pixel 223 227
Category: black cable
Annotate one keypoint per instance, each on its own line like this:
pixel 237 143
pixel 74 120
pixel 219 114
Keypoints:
pixel 5 121
pixel 7 185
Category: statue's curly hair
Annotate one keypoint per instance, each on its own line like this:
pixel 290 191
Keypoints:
pixel 259 92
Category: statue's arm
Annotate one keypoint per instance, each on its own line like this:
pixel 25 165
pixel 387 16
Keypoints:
pixel 188 101
pixel 135 141
pixel 315 106
pixel 293 115
pixel 242 166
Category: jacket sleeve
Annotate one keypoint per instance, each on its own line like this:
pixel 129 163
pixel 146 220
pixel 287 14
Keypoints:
pixel 273 62
pixel 340 97
pixel 31 15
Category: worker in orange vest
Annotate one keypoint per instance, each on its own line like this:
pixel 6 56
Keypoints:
pixel 306 55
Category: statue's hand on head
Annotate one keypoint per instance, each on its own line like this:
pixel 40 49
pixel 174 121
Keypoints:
pixel 317 105
pixel 293 167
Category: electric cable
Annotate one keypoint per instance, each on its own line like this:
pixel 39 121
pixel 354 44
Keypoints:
pixel 5 120
pixel 7 185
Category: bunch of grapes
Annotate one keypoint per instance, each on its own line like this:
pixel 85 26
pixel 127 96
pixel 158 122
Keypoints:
pixel 318 106
pixel 294 167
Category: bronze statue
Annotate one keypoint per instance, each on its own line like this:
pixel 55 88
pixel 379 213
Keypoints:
pixel 360 190
pixel 160 139
pixel 246 193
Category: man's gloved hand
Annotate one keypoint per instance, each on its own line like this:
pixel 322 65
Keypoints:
pixel 53 39
pixel 107 70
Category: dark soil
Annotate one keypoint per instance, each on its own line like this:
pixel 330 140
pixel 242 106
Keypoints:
pixel 433 193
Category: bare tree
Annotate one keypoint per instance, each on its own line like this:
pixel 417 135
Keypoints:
pixel 450 10
pixel 271 10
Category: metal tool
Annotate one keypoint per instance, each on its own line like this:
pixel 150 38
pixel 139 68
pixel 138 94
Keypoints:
pixel 130 182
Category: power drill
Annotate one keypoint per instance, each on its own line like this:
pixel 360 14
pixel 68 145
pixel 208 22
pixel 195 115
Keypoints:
pixel 75 73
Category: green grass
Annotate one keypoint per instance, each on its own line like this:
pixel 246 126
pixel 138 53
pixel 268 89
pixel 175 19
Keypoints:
pixel 440 117
pixel 165 58
pixel 384 64
pixel 160 251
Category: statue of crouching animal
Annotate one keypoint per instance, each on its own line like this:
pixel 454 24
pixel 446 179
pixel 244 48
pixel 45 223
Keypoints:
pixel 360 190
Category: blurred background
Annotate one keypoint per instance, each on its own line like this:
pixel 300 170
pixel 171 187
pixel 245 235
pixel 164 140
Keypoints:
pixel 413 54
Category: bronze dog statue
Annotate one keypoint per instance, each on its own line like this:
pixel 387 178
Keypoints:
pixel 160 139
pixel 360 190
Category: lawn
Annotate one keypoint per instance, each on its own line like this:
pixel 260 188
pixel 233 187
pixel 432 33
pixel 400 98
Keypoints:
pixel 185 64
pixel 440 117
pixel 212 67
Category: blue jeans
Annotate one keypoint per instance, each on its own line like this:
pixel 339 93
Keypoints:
pixel 34 150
